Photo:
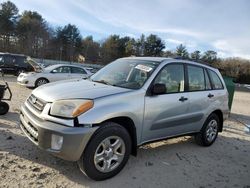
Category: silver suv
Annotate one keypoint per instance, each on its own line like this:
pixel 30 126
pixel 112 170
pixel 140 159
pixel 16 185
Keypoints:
pixel 99 122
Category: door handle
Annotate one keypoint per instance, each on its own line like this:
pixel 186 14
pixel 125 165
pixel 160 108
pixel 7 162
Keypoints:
pixel 182 99
pixel 210 95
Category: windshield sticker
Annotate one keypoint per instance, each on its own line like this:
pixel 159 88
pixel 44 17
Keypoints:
pixel 144 68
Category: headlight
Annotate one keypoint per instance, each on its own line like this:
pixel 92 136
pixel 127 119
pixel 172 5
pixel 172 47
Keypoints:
pixel 70 108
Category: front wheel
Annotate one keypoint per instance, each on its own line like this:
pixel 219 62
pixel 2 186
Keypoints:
pixel 4 108
pixel 209 131
pixel 41 81
pixel 106 153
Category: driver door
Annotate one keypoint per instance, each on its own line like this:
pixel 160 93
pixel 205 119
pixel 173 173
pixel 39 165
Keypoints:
pixel 60 73
pixel 166 114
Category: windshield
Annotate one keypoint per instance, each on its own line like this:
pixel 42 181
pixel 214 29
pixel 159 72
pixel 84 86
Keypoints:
pixel 126 73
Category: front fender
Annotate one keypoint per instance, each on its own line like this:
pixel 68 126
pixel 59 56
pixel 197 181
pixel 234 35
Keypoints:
pixel 129 105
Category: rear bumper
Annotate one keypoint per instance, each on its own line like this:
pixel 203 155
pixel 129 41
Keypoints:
pixel 40 133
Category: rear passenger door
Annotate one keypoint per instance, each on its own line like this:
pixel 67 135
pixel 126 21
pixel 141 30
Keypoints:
pixel 200 95
pixel 166 114
pixel 218 95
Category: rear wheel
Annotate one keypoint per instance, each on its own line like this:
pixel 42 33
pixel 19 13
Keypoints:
pixel 209 131
pixel 4 108
pixel 41 81
pixel 107 152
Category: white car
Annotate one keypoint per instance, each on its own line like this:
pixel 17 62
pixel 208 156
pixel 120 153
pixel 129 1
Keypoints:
pixel 53 73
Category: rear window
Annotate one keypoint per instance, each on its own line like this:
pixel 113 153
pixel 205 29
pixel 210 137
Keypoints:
pixel 216 82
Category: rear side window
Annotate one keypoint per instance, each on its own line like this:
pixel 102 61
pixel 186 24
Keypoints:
pixel 20 60
pixel 216 82
pixel 208 84
pixel 173 77
pixel 196 79
pixel 76 70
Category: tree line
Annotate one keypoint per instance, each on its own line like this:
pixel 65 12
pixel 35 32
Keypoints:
pixel 30 34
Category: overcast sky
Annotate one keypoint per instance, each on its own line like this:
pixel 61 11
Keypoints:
pixel 221 25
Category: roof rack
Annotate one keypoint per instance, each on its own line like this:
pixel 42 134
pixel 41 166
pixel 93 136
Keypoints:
pixel 7 53
pixel 196 61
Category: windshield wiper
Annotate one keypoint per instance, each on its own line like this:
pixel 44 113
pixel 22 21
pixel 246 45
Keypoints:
pixel 102 82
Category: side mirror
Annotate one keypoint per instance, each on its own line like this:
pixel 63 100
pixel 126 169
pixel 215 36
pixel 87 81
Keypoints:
pixel 54 71
pixel 159 89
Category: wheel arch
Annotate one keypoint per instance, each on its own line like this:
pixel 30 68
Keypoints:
pixel 220 116
pixel 40 79
pixel 129 125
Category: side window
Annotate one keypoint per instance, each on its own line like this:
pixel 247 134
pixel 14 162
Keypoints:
pixel 10 60
pixel 65 69
pixel 173 77
pixel 62 69
pixel 196 79
pixel 208 84
pixel 20 60
pixel 216 82
pixel 76 70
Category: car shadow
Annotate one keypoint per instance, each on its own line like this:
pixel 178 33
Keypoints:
pixel 165 155
pixel 10 115
pixel 241 116
pixel 9 78
pixel 242 89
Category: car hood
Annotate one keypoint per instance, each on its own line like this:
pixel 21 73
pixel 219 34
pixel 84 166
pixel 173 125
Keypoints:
pixel 73 89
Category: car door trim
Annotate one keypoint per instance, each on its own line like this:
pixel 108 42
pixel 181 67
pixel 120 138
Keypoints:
pixel 167 123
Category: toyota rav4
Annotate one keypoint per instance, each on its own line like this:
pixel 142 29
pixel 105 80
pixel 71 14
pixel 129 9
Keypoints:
pixel 100 121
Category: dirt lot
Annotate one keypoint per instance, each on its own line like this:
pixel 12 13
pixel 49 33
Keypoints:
pixel 171 163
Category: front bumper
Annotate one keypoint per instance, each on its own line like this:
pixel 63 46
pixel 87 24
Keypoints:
pixel 40 131
pixel 25 82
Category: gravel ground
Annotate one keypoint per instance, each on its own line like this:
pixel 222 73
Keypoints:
pixel 172 163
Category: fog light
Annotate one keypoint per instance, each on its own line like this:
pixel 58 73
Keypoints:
pixel 56 142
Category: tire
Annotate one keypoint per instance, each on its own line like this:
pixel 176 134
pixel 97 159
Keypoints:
pixel 209 131
pixel 4 108
pixel 95 169
pixel 19 71
pixel 41 81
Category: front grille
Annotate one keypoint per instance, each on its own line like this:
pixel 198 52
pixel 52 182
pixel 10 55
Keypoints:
pixel 36 103
pixel 30 130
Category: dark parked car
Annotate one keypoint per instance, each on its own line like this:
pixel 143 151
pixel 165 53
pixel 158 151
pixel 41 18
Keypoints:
pixel 14 63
